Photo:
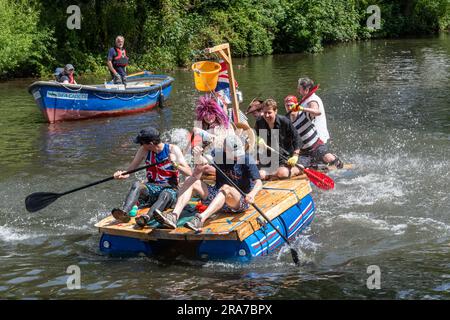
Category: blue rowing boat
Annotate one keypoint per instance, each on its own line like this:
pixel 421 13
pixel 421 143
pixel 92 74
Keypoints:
pixel 60 102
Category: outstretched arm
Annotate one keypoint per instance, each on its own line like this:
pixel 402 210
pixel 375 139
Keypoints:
pixel 140 154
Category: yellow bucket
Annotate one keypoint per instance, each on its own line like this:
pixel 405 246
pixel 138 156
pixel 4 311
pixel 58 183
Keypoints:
pixel 206 74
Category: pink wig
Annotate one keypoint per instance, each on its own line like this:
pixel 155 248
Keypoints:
pixel 209 106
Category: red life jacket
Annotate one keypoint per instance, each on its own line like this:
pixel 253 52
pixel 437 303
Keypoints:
pixel 64 74
pixel 71 79
pixel 120 59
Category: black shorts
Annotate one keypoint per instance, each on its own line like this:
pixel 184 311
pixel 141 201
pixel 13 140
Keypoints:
pixel 307 158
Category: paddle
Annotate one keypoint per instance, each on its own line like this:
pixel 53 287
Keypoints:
pixel 319 179
pixel 229 181
pixel 135 74
pixel 39 200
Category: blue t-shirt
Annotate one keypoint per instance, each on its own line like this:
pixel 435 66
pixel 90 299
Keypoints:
pixel 243 172
pixel 111 54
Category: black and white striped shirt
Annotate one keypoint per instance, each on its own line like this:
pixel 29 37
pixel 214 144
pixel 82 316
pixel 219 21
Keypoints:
pixel 306 129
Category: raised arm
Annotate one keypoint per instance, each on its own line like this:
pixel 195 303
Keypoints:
pixel 313 109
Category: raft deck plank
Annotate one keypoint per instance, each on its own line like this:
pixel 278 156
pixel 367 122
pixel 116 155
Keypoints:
pixel 276 198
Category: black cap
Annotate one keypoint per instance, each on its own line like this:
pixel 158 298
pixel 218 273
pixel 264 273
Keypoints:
pixel 149 134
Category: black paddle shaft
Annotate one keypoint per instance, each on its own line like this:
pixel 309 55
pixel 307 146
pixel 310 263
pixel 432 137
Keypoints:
pixel 39 200
pixel 285 158
pixel 108 179
pixel 293 252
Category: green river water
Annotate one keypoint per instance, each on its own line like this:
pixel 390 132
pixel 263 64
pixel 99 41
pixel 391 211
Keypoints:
pixel 388 110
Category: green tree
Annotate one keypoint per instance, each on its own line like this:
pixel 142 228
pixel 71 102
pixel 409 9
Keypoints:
pixel 24 46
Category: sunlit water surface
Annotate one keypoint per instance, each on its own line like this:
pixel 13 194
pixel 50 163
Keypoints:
pixel 388 107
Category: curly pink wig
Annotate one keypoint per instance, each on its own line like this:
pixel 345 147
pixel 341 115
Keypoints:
pixel 209 106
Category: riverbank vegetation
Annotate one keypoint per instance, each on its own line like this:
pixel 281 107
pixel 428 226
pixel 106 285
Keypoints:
pixel 163 34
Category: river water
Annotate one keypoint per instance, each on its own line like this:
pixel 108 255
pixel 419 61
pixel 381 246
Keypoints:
pixel 388 107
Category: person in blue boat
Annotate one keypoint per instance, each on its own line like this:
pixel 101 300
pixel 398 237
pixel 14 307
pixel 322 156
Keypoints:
pixel 65 75
pixel 238 165
pixel 118 61
pixel 160 191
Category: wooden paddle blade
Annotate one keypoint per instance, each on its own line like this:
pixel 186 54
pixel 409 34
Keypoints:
pixel 319 179
pixel 39 200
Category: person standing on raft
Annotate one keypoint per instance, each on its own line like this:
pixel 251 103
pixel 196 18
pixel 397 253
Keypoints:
pixel 160 191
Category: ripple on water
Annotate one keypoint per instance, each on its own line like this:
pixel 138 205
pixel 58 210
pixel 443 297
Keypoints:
pixel 9 234
pixel 19 280
pixel 394 198
pixel 367 221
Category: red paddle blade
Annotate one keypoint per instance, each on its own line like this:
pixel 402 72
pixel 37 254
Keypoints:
pixel 319 179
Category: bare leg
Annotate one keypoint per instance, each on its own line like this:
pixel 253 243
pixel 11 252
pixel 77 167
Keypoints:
pixel 228 195
pixel 215 205
pixel 190 186
pixel 295 171
pixel 328 158
pixel 282 173
pixel 263 174
pixel 209 170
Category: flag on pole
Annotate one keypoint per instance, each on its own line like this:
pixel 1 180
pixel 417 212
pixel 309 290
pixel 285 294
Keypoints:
pixel 223 91
pixel 224 80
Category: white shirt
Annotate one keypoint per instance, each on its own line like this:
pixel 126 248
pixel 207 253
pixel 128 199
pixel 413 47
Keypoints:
pixel 320 122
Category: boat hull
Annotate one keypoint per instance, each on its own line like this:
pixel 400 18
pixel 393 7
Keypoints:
pixel 262 242
pixel 62 102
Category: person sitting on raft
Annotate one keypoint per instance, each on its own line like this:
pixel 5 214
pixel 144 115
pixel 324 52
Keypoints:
pixel 118 61
pixel 238 165
pixel 66 75
pixel 278 132
pixel 255 108
pixel 311 100
pixel 212 124
pixel 161 189
pixel 313 150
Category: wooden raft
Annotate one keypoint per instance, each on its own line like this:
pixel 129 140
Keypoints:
pixel 274 199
